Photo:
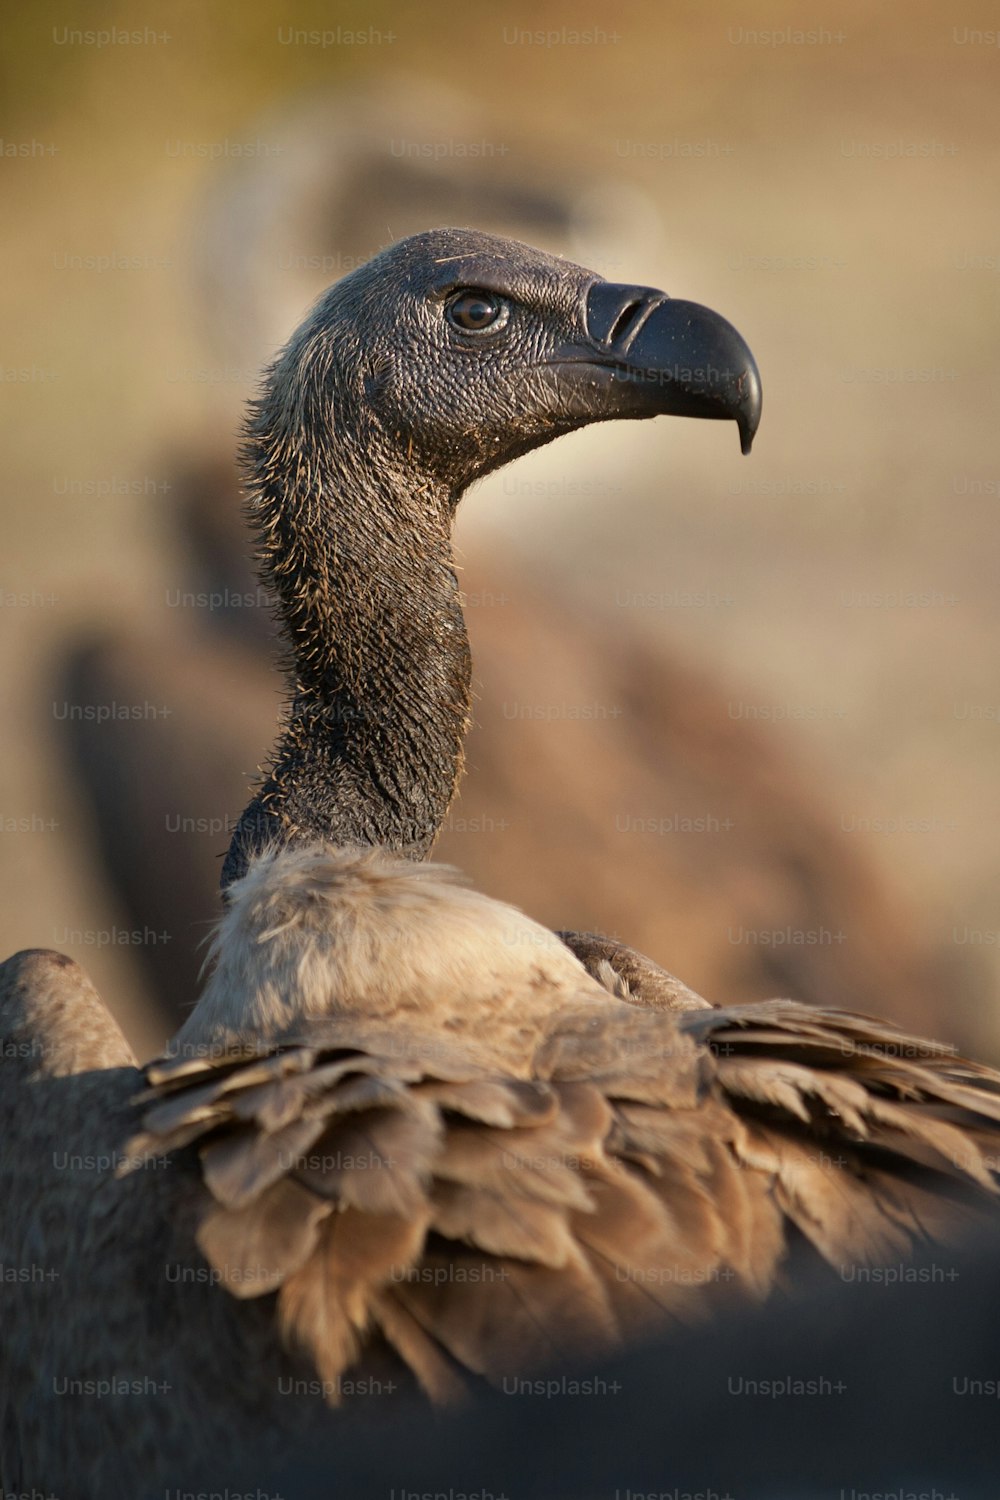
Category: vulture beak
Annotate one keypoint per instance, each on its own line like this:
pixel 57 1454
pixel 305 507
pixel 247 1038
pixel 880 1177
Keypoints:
pixel 647 355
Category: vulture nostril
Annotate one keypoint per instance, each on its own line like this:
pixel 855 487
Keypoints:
pixel 626 319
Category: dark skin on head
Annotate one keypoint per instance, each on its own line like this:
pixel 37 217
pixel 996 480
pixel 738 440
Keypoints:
pixel 443 358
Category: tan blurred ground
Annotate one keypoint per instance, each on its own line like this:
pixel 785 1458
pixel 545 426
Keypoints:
pixel 867 285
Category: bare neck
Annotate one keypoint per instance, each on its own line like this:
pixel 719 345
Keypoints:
pixel 358 557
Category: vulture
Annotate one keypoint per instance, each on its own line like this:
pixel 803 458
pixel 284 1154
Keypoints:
pixel 409 1142
pixel 583 837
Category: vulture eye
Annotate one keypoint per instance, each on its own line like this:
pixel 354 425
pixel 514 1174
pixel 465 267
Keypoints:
pixel 472 311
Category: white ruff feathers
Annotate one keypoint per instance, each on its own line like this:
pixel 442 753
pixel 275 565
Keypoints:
pixel 346 933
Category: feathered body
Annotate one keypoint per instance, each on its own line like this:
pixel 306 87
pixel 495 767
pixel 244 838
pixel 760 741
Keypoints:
pixel 431 1084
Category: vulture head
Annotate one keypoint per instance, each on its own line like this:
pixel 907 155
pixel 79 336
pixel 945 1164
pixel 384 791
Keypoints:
pixel 447 355
pixel 454 352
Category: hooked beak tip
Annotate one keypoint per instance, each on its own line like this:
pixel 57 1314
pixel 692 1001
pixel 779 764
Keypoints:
pixel 748 411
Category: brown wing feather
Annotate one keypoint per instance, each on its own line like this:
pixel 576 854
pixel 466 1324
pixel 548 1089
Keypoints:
pixel 328 1305
pixel 501 1318
pixel 655 1163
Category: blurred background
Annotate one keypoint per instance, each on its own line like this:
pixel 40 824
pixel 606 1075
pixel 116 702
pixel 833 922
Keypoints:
pixel 741 713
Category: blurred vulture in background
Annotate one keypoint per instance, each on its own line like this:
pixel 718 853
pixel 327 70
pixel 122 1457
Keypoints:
pixel 794 1402
pixel 666 825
